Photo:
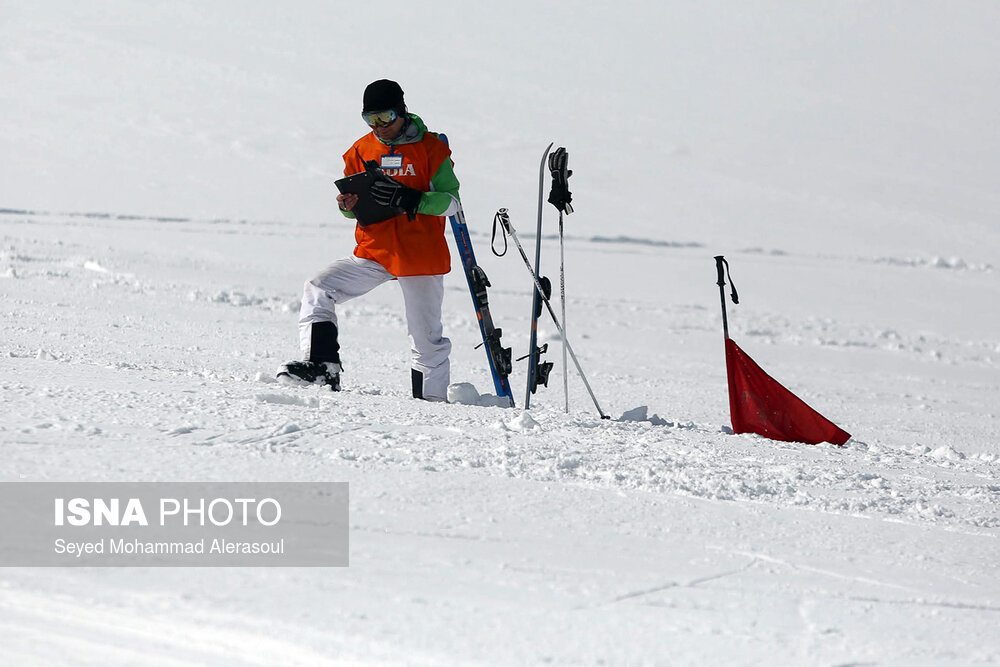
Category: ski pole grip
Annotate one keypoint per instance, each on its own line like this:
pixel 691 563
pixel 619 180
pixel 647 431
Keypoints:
pixel 501 217
pixel 504 219
pixel 719 259
pixel 722 266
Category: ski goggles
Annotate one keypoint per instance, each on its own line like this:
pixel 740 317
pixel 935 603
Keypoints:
pixel 380 118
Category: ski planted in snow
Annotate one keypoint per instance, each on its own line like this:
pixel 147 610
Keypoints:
pixel 538 371
pixel 498 356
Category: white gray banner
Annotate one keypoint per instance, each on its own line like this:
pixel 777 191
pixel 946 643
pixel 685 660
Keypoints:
pixel 174 524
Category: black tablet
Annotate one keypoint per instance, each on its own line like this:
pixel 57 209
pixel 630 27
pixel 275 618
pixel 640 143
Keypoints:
pixel 367 211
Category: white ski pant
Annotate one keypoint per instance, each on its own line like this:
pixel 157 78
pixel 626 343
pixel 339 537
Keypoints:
pixel 352 277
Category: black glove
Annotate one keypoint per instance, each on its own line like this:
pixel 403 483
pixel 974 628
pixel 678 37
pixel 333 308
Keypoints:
pixel 560 196
pixel 389 192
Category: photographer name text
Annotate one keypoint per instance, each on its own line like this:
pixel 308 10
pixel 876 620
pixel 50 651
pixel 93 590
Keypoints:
pixel 136 547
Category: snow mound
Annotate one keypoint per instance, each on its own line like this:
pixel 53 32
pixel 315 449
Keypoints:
pixel 640 414
pixel 524 422
pixel 465 393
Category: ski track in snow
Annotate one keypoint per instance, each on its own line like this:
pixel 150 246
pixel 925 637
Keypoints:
pixel 163 637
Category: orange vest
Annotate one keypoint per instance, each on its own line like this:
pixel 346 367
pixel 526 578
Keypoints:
pixel 404 247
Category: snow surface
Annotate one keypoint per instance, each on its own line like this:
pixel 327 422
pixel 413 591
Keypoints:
pixel 166 187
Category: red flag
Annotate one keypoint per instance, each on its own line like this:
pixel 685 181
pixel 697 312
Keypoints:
pixel 759 404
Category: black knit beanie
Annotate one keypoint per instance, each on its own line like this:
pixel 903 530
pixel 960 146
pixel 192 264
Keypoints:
pixel 383 95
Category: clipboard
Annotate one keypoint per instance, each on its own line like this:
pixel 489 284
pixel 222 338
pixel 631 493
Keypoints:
pixel 367 211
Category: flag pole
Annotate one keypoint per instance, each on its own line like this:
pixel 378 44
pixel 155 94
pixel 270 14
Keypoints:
pixel 722 266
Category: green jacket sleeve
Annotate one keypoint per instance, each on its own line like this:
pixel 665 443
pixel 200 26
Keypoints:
pixel 443 194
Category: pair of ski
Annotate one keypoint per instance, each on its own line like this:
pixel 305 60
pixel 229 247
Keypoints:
pixel 499 357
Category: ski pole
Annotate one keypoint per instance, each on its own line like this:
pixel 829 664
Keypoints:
pixel 560 197
pixel 562 302
pixel 504 219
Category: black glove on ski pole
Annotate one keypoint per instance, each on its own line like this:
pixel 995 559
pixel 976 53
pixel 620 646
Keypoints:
pixel 560 196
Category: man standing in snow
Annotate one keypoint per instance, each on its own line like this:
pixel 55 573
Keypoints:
pixel 417 180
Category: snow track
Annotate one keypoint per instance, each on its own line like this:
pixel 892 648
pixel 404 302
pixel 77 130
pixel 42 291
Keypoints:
pixel 94 633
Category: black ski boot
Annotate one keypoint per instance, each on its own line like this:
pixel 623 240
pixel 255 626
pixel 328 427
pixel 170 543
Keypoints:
pixel 313 372
pixel 323 365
